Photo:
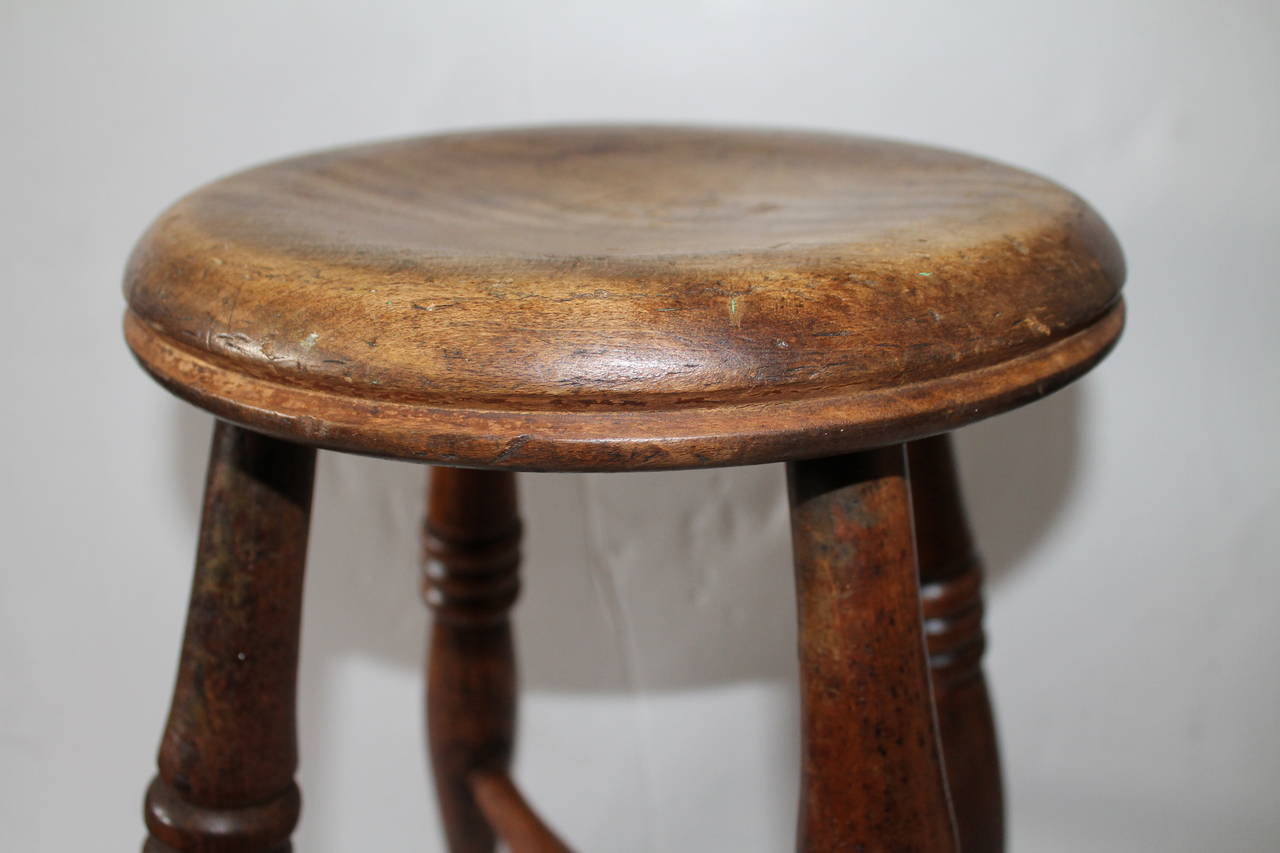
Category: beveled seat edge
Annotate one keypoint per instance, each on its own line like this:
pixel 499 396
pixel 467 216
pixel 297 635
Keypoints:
pixel 636 440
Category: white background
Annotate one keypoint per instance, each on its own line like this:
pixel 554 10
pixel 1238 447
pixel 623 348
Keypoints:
pixel 1129 522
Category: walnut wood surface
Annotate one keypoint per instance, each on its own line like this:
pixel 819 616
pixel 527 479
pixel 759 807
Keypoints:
pixel 472 545
pixel 612 299
pixel 621 298
pixel 951 589
pixel 230 749
pixel 872 776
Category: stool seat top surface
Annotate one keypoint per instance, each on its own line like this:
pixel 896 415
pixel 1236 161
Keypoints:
pixel 609 298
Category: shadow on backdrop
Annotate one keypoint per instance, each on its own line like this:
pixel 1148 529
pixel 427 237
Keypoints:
pixel 632 582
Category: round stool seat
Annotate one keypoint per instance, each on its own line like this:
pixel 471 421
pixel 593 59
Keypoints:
pixel 622 298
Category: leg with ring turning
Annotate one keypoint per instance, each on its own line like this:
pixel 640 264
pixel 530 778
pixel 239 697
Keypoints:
pixel 472 544
pixel 230 750
pixel 872 774
pixel 951 582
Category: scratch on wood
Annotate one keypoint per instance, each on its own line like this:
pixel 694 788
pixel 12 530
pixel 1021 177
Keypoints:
pixel 511 448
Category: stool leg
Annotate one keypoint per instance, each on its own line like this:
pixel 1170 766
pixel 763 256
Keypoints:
pixel 951 580
pixel 230 748
pixel 472 545
pixel 872 776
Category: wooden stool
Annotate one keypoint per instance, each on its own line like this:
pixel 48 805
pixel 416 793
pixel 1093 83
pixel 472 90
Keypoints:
pixel 613 299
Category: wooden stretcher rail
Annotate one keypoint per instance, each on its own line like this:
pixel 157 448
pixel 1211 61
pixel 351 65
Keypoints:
pixel 511 816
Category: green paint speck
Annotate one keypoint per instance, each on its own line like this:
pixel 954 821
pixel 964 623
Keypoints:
pixel 924 273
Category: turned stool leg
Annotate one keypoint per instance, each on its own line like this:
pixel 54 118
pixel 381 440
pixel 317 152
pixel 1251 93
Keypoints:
pixel 472 544
pixel 872 776
pixel 230 749
pixel 951 580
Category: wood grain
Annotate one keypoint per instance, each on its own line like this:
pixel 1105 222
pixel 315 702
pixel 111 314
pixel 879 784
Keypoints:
pixel 872 777
pixel 230 747
pixel 607 299
pixel 621 298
